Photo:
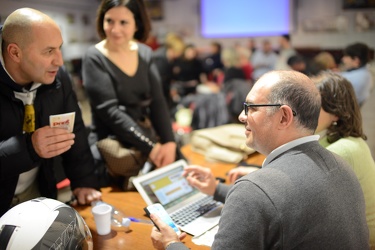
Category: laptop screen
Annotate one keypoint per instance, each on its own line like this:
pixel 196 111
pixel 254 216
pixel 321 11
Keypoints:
pixel 168 188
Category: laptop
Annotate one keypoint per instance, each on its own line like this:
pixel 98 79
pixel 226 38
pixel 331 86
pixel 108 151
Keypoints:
pixel 193 211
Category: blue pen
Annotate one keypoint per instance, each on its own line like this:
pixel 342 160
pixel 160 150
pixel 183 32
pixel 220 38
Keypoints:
pixel 139 220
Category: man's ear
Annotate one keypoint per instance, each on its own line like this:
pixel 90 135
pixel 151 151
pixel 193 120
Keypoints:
pixel 14 52
pixel 286 116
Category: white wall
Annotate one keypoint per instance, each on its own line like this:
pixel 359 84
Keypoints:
pixel 70 15
pixel 183 16
pixel 323 12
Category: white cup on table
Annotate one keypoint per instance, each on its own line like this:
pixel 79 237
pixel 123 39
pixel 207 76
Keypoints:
pixel 102 217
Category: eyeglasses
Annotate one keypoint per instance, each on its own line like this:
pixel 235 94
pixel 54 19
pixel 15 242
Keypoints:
pixel 246 107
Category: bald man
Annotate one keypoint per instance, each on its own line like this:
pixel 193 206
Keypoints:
pixel 33 86
pixel 303 197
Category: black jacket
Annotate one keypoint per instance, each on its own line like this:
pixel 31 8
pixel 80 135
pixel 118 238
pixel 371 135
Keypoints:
pixel 17 154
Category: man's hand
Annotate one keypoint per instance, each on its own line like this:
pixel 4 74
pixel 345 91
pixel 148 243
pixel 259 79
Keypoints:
pixel 201 178
pixel 238 172
pixel 86 195
pixel 165 235
pixel 50 142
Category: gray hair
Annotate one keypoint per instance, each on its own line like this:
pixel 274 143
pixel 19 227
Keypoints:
pixel 299 92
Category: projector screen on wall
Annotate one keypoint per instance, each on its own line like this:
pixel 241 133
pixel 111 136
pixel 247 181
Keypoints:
pixel 244 18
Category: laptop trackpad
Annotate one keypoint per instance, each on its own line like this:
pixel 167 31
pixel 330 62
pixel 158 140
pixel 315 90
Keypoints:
pixel 203 223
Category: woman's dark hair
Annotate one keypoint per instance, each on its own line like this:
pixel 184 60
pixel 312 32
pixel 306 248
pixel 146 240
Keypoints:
pixel 137 7
pixel 338 98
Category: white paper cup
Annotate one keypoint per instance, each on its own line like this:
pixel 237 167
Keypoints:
pixel 102 217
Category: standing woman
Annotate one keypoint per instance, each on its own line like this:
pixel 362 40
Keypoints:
pixel 340 128
pixel 123 84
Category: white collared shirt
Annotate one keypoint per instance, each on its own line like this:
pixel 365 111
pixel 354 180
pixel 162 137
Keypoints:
pixel 287 146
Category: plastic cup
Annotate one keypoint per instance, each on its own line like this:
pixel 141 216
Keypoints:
pixel 102 217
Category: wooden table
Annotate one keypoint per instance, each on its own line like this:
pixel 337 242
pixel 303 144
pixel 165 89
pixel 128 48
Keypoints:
pixel 132 204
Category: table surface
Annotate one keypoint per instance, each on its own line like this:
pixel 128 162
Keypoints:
pixel 132 204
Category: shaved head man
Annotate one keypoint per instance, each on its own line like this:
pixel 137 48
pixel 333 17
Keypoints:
pixel 34 86
pixel 31 47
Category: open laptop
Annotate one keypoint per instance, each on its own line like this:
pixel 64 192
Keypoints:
pixel 194 212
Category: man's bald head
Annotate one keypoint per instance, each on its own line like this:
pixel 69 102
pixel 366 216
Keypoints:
pixel 18 27
pixel 31 47
pixel 298 91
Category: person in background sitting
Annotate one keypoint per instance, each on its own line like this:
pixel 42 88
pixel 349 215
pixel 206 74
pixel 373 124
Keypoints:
pixel 244 55
pixel 188 71
pixel 213 63
pixel 326 60
pixel 340 130
pixel 263 59
pixel 123 84
pixel 355 61
pixel 286 50
pixel 164 58
pixel 34 86
pixel 298 63
pixel 303 197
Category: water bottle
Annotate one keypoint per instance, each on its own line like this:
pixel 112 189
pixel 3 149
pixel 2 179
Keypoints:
pixel 118 218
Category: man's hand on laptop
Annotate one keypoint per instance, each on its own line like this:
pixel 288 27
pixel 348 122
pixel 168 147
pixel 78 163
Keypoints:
pixel 165 235
pixel 201 178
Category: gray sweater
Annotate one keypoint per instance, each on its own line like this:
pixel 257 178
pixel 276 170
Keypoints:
pixel 306 198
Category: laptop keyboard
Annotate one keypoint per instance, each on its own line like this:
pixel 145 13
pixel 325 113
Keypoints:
pixel 194 210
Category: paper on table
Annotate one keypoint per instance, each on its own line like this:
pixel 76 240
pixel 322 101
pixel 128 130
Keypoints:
pixel 65 121
pixel 207 238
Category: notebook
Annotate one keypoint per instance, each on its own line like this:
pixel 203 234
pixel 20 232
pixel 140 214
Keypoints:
pixel 193 211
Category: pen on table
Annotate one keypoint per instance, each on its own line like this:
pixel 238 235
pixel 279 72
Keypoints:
pixel 139 220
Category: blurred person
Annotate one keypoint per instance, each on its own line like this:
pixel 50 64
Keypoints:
pixel 286 50
pixel 188 71
pixel 263 59
pixel 355 61
pixel 232 65
pixel 164 58
pixel 124 88
pixel 235 86
pixel 244 55
pixel 251 45
pixel 213 63
pixel 34 86
pixel 327 60
pixel 298 63
pixel 303 197
pixel 340 129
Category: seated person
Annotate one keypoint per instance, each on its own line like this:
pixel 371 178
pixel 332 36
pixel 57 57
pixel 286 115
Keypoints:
pixel 355 61
pixel 298 63
pixel 327 61
pixel 303 197
pixel 263 59
pixel 188 72
pixel 340 130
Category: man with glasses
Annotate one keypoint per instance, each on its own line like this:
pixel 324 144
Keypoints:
pixel 303 197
